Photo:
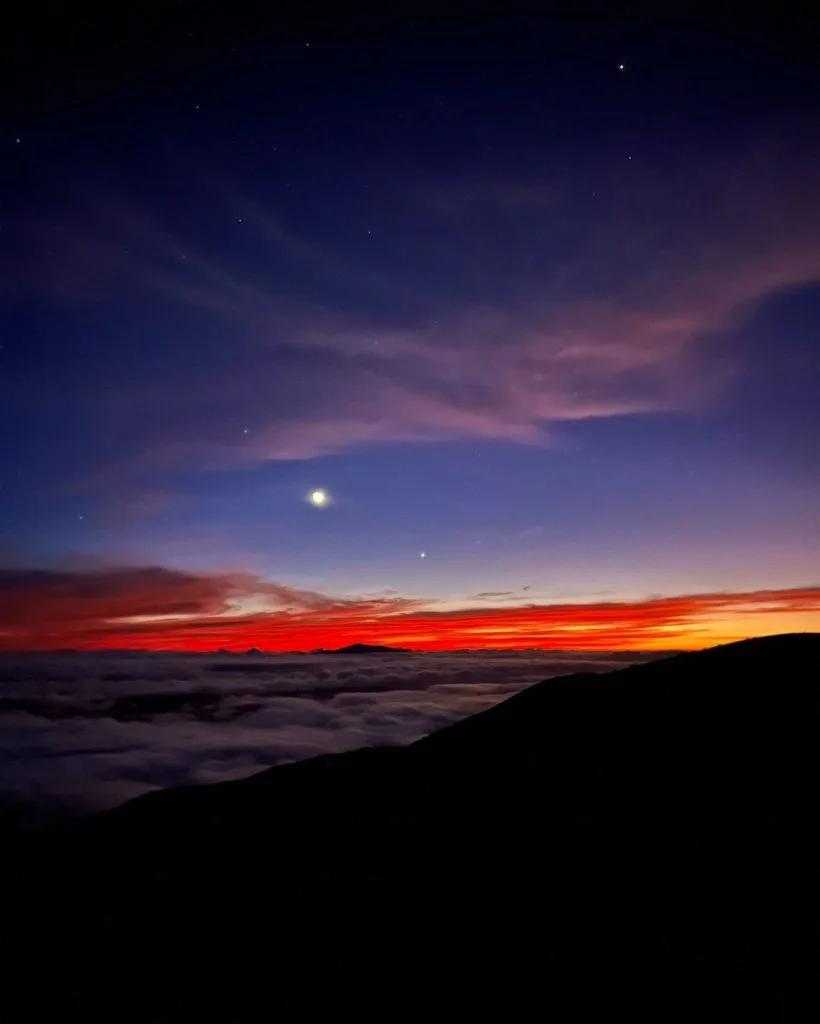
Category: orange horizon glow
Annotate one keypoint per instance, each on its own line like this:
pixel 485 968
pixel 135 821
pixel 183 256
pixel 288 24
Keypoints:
pixel 158 609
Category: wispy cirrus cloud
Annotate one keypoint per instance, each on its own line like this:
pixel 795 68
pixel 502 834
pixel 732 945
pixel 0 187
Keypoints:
pixel 560 306
pixel 168 609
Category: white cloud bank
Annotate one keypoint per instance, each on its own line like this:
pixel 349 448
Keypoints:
pixel 82 732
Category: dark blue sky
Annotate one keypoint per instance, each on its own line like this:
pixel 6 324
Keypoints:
pixel 535 298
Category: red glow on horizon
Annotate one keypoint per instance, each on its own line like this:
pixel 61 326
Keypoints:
pixel 168 610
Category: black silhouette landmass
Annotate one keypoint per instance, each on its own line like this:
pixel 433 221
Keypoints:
pixel 366 649
pixel 595 848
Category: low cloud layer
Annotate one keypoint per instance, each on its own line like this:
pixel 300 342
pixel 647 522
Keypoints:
pixel 82 732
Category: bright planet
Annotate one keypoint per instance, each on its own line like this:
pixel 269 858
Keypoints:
pixel 318 498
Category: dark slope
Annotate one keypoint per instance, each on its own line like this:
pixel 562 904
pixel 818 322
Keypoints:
pixel 619 844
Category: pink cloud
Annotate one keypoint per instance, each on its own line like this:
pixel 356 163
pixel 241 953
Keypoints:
pixel 484 369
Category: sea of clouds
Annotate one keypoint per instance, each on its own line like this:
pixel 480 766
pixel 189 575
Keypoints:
pixel 83 732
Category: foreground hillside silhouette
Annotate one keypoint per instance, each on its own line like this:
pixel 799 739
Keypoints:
pixel 616 844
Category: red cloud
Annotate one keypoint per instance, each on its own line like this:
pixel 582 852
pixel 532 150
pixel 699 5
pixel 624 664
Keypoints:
pixel 165 609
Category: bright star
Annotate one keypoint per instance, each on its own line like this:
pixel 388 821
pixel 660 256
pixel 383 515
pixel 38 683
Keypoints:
pixel 423 554
pixel 318 498
pixel 620 67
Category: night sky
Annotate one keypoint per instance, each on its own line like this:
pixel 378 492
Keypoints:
pixel 532 304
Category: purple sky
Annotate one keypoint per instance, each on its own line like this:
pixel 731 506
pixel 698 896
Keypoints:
pixel 534 303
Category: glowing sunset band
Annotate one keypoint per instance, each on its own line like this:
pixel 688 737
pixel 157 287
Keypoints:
pixel 166 609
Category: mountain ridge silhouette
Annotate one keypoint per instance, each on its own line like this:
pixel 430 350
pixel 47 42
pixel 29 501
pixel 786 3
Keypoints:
pixel 623 832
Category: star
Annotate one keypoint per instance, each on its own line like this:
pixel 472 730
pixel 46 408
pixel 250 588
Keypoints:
pixel 620 67
pixel 245 430
pixel 423 554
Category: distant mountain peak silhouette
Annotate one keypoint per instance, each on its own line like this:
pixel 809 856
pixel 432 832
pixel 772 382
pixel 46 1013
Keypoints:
pixel 368 649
